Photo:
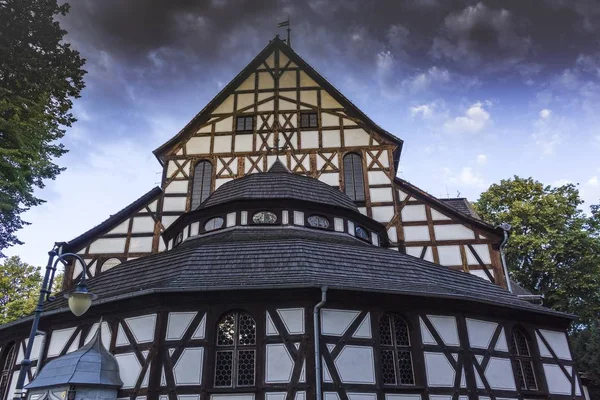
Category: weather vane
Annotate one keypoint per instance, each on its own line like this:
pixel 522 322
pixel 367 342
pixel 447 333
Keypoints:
pixel 286 23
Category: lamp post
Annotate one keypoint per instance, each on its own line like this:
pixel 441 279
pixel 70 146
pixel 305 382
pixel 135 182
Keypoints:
pixel 80 301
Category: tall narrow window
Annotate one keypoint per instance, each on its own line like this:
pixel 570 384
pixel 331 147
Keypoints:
pixel 396 354
pixel 522 363
pixel 235 358
pixel 7 363
pixel 354 182
pixel 201 185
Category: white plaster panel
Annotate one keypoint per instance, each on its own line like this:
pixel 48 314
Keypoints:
pixel 378 178
pixel 453 232
pixel 335 322
pixel 379 195
pixel 446 328
pixel 285 217
pixel 501 344
pixel 481 273
pixel 402 195
pixel 327 101
pixel 58 340
pixel 108 245
pixel 279 364
pixel 293 319
pixel 338 224
pixel 231 219
pixel 356 137
pixel 248 84
pixel 364 329
pixel 383 213
pixel 129 368
pixel 483 252
pixel 174 203
pixel 243 143
pixel 110 263
pixel 309 97
pixel 480 332
pixel 244 217
pixel 557 381
pixel 499 374
pixel 329 119
pixel 310 139
pixel 232 396
pixel 416 233
pixel 105 333
pixel 449 255
pixel 167 220
pixel 266 106
pixel 221 181
pixel 224 125
pixel 332 178
pixel 558 342
pixel 414 251
pixel 222 144
pixel 351 228
pixel 121 337
pixel 140 244
pixel 200 331
pixel 402 396
pixel 287 79
pixel 438 216
pixel 362 396
pixel 178 323
pixel 393 234
pixel 197 145
pixel 75 345
pixel 244 100
pixel 181 397
pixel 177 187
pixel 271 329
pixel 331 396
pixel 355 364
pixel 362 210
pixel 142 327
pixel 225 107
pixel 426 336
pixel 275 396
pixel 439 371
pixel 414 213
pixel 122 228
pixel 326 374
pixel 188 369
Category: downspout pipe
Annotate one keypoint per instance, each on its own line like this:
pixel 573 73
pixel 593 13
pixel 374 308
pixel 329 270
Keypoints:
pixel 317 342
pixel 505 228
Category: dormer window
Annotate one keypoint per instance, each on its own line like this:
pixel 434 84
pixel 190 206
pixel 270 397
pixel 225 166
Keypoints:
pixel 309 120
pixel 245 124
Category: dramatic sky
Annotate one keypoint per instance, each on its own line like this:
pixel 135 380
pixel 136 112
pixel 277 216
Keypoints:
pixel 478 90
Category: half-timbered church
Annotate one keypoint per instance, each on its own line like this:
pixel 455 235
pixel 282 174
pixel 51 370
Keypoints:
pixel 283 259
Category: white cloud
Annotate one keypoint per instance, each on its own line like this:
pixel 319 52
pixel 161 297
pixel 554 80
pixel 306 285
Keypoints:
pixel 545 113
pixel 424 80
pixel 549 132
pixel 476 119
pixel 423 110
pixel 384 62
pixel 481 159
pixel 593 181
pixel 466 177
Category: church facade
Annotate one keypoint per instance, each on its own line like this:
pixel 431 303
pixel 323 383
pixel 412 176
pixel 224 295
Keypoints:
pixel 281 258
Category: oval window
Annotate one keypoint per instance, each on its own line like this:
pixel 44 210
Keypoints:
pixel 316 221
pixel 264 217
pixel 212 224
pixel 361 233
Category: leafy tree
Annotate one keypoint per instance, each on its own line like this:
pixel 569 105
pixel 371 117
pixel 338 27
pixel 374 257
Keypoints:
pixel 554 247
pixel 19 289
pixel 39 76
pixel 586 352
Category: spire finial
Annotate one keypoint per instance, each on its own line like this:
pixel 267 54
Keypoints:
pixel 286 23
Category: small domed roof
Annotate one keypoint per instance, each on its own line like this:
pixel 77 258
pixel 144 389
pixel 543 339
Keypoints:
pixel 91 365
pixel 279 183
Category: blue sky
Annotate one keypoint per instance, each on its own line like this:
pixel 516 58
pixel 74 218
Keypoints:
pixel 478 90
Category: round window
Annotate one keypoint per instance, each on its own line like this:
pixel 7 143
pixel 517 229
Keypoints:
pixel 264 217
pixel 361 233
pixel 214 223
pixel 317 221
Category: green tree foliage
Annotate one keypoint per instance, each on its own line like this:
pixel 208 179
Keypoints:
pixel 554 247
pixel 40 74
pixel 586 349
pixel 19 289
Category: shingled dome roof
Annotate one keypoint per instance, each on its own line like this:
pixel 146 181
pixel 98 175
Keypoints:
pixel 91 365
pixel 278 183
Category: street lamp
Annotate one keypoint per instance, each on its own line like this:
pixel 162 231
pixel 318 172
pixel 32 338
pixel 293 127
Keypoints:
pixel 80 301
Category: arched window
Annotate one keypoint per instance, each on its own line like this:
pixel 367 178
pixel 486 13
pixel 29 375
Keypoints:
pixel 201 184
pixel 522 363
pixel 396 353
pixel 6 362
pixel 354 182
pixel 235 356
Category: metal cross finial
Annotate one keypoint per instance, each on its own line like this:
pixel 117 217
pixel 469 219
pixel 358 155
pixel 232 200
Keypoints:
pixel 286 23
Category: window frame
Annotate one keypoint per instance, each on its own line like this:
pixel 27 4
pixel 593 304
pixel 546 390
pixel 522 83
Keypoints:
pixel 199 194
pixel 351 177
pixel 518 359
pixel 245 119
pixel 308 115
pixel 396 349
pixel 235 349
pixel 7 363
